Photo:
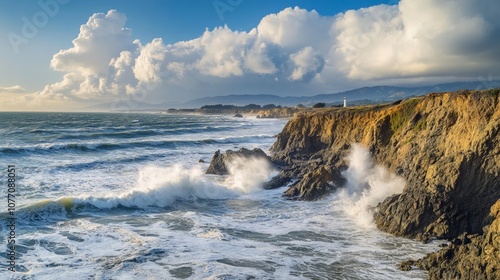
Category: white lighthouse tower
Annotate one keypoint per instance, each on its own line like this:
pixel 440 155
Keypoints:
pixel 345 101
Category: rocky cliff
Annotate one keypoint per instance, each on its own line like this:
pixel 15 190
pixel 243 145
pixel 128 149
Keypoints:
pixel 468 256
pixel 446 146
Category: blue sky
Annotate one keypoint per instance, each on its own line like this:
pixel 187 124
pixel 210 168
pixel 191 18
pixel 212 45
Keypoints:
pixel 318 47
pixel 171 20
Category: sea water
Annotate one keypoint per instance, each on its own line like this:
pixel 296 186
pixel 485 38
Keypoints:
pixel 124 196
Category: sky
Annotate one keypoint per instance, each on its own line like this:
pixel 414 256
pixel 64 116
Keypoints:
pixel 68 55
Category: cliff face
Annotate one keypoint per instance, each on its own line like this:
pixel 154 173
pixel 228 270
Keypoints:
pixel 446 146
pixel 276 112
pixel 468 257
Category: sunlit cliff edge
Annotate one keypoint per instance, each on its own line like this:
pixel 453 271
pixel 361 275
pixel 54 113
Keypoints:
pixel 447 148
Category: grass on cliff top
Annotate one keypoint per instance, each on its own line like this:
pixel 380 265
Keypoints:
pixel 404 114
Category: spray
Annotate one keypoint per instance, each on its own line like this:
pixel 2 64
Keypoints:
pixel 367 185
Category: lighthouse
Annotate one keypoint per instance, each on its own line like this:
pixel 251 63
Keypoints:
pixel 345 101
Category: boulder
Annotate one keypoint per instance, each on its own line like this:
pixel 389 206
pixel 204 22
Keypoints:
pixel 315 185
pixel 468 256
pixel 219 160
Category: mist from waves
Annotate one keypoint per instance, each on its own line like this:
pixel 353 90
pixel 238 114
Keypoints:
pixel 367 185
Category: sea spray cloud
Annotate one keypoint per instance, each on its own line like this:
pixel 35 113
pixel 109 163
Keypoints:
pixel 367 185
pixel 162 186
pixel 248 174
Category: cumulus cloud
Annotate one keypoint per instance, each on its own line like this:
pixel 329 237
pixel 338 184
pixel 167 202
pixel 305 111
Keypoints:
pixel 294 49
pixel 223 52
pixel 102 38
pixel 307 63
pixel 418 38
pixel 148 64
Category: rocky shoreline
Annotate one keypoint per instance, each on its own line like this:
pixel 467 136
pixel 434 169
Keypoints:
pixel 447 148
pixel 275 113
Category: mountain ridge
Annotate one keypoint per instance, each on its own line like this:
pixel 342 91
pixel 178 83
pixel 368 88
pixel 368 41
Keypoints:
pixel 375 94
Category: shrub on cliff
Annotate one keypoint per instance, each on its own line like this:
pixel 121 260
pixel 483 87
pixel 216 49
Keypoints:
pixel 319 105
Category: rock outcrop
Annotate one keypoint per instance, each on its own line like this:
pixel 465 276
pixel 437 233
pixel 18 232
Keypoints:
pixel 446 146
pixel 285 112
pixel 315 184
pixel 468 256
pixel 218 165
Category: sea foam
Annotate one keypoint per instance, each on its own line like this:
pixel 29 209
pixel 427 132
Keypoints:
pixel 367 185
pixel 162 186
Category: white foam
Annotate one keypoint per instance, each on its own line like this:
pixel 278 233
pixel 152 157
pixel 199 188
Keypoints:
pixel 161 186
pixel 248 174
pixel 367 185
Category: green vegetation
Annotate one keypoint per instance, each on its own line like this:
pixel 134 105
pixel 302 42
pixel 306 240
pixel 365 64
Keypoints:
pixel 269 106
pixel 421 125
pixel 404 114
pixel 410 139
pixel 319 105
pixel 493 91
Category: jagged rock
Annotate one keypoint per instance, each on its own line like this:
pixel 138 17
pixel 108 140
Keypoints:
pixel 238 115
pixel 217 165
pixel 468 256
pixel 315 185
pixel 277 181
pixel 219 160
pixel 407 265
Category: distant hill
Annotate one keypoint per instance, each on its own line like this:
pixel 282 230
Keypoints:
pixel 365 94
pixel 356 96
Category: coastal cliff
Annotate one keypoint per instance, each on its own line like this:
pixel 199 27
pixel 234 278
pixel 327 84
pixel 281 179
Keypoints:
pixel 445 145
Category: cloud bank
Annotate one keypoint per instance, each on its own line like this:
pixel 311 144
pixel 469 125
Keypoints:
pixel 292 52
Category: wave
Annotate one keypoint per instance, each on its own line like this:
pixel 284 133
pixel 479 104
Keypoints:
pixel 126 132
pixel 97 146
pixel 162 187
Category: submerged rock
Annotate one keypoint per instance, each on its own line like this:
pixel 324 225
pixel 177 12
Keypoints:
pixel 219 160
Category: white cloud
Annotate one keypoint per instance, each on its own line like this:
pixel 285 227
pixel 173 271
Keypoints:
pixel 13 89
pixel 418 38
pixel 102 38
pixel 292 52
pixel 257 60
pixel 293 29
pixel 223 52
pixel 307 62
pixel 148 64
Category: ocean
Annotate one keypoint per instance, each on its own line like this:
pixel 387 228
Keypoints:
pixel 124 196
